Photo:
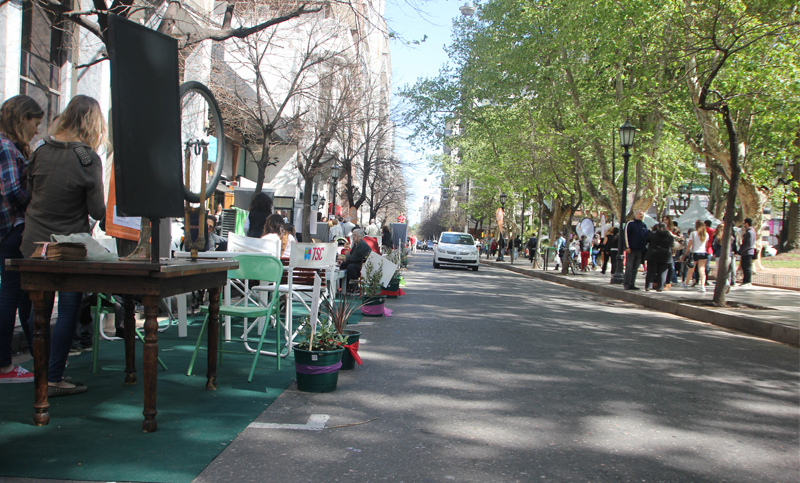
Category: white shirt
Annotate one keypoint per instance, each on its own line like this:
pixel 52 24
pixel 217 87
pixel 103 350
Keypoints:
pixel 347 228
pixel 276 241
pixel 698 245
pixel 336 232
pixel 373 230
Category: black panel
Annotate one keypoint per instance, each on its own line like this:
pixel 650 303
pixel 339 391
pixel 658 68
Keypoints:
pixel 145 111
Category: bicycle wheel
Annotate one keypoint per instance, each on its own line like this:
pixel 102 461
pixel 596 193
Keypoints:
pixel 201 127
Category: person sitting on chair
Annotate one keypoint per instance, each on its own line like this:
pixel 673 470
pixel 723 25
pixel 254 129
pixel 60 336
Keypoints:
pixel 360 251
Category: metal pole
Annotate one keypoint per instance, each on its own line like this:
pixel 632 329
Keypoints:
pixel 613 165
pixel 333 202
pixel 618 277
pixel 500 257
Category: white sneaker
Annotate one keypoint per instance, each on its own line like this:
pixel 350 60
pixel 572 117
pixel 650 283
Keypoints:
pixel 746 285
pixel 683 284
pixel 703 289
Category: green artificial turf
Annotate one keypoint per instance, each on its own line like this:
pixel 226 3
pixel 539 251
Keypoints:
pixel 97 435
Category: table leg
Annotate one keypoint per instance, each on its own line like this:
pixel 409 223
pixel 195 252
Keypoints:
pixel 129 328
pixel 213 338
pixel 150 362
pixel 41 355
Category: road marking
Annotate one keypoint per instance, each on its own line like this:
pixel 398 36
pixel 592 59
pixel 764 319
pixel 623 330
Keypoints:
pixel 315 423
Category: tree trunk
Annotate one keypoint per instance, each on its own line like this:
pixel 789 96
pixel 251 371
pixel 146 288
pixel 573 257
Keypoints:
pixel 307 189
pixel 723 262
pixel 793 215
pixel 262 168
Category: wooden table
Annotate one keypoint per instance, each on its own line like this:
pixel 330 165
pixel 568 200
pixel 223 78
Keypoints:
pixel 153 281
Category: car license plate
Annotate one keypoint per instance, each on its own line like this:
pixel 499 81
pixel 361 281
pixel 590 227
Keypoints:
pixel 457 258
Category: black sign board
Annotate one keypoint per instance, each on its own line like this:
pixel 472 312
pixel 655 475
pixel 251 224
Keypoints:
pixel 145 113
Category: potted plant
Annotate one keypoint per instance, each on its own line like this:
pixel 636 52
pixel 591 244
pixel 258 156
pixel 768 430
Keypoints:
pixel 338 312
pixel 404 257
pixel 373 302
pixel 393 289
pixel 318 357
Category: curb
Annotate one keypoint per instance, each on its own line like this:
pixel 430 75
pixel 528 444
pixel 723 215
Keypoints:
pixel 750 325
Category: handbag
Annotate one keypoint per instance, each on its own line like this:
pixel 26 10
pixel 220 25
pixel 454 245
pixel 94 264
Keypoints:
pixel 690 263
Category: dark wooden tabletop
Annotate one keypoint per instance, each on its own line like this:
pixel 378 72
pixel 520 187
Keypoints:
pixel 166 268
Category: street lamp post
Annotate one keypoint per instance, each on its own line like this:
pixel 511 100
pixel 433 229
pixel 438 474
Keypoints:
pixel 500 257
pixel 468 9
pixel 626 135
pixel 779 170
pixel 335 176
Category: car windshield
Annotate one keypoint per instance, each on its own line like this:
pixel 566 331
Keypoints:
pixel 456 239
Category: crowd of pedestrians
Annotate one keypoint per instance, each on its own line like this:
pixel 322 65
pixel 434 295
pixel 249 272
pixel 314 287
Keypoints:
pixel 667 256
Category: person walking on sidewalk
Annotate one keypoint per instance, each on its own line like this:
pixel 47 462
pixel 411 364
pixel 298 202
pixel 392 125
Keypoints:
pixel 747 251
pixel 561 245
pixel 585 247
pixel 533 243
pixel 636 243
pixel 696 249
pixel 19 122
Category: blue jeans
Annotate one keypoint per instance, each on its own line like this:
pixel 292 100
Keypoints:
pixel 69 304
pixel 12 297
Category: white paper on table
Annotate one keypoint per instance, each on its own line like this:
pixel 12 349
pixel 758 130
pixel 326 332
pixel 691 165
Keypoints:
pixel 134 222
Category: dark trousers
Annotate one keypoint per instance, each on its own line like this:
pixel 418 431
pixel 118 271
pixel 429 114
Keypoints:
pixel 353 272
pixel 657 274
pixel 634 261
pixel 12 298
pixel 747 268
pixel 612 257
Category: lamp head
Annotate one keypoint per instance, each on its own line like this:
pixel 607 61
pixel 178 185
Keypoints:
pixel 503 199
pixel 626 135
pixel 335 170
pixel 468 9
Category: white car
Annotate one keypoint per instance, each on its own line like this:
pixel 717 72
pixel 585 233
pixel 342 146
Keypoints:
pixel 456 249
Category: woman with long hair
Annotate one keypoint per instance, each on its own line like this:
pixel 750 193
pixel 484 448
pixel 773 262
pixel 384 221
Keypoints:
pixel 287 239
pixel 65 179
pixel 273 231
pixel 20 117
pixel 260 208
pixel 696 248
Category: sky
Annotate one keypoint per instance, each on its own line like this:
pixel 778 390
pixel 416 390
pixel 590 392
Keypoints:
pixel 433 18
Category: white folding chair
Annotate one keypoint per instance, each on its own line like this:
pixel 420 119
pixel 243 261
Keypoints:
pixel 305 260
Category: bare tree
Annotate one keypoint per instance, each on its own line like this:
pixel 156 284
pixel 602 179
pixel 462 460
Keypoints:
pixel 365 141
pixel 387 188
pixel 264 82
pixel 331 106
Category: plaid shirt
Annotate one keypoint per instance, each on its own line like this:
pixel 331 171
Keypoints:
pixel 14 197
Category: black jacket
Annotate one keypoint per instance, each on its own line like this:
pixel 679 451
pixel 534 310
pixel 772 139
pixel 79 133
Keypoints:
pixel 659 246
pixel 257 220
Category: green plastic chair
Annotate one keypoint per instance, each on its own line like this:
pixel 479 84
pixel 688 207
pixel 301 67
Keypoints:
pixel 251 267
pixel 97 311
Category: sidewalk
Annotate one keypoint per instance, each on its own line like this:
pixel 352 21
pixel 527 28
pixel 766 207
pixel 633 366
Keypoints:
pixel 781 324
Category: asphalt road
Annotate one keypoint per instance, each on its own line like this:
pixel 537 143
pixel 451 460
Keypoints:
pixel 495 377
